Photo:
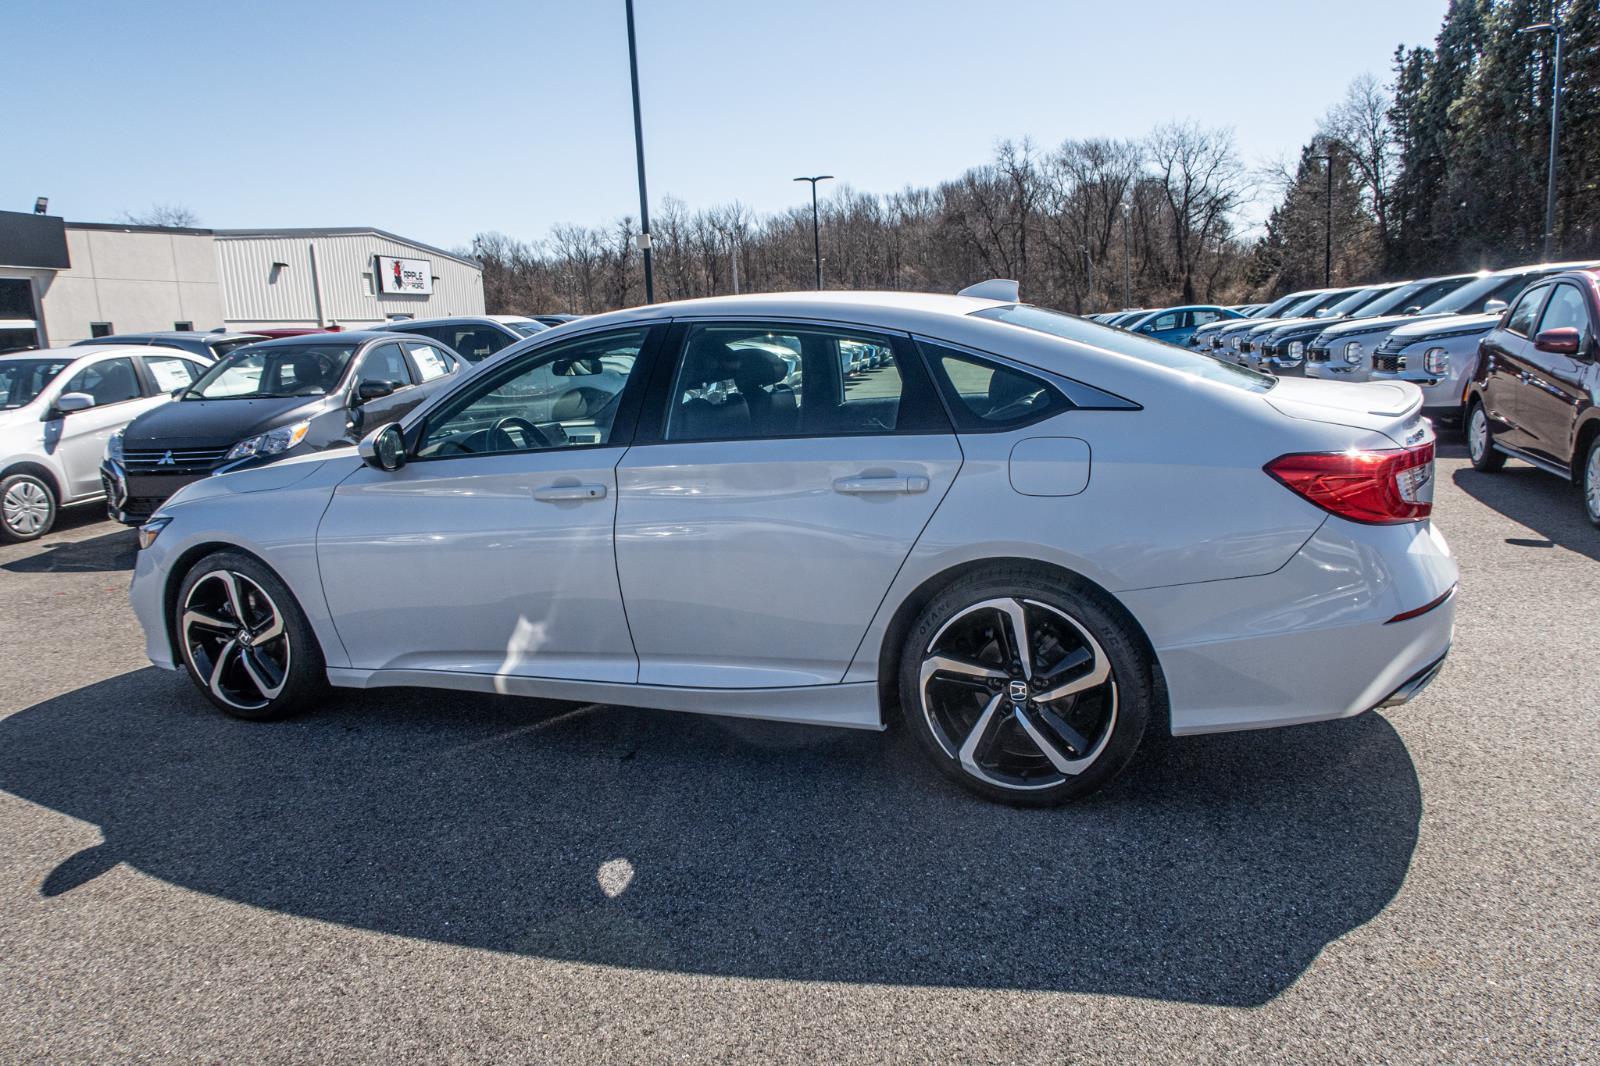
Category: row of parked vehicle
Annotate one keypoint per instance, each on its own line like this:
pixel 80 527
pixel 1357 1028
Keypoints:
pixel 1509 355
pixel 132 418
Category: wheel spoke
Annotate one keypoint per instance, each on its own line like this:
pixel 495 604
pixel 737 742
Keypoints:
pixel 235 601
pixel 259 667
pixel 200 618
pixel 1060 727
pixel 1017 619
pixel 980 737
pixel 272 629
pixel 1069 662
pixel 949 664
pixel 1051 750
pixel 1096 675
pixel 220 664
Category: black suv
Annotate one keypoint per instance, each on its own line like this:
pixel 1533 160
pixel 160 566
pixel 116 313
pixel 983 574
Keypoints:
pixel 1536 393
pixel 212 345
pixel 474 338
pixel 262 401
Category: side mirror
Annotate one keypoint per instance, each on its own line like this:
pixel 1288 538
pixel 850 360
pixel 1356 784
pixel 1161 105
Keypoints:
pixel 384 448
pixel 69 402
pixel 1563 341
pixel 1494 307
pixel 373 390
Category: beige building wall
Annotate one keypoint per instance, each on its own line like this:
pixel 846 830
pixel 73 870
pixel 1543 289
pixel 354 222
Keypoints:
pixel 134 280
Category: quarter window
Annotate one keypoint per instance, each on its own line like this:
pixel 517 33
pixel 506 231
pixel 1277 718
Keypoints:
pixel 984 395
pixel 431 362
pixel 1521 320
pixel 171 373
pixel 747 382
pixel 561 397
pixel 108 381
pixel 1565 310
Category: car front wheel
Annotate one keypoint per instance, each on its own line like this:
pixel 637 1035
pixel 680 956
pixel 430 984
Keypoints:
pixel 245 642
pixel 1480 441
pixel 27 507
pixel 1024 688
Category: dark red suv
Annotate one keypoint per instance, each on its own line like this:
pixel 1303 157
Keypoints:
pixel 1536 393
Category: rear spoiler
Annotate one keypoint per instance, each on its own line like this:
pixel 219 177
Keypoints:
pixel 993 289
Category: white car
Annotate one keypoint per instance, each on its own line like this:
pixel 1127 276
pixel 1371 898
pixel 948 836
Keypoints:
pixel 1034 540
pixel 58 407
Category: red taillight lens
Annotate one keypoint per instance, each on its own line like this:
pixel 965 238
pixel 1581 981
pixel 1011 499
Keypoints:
pixel 1376 487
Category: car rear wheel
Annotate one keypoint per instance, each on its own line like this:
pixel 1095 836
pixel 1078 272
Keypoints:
pixel 1591 482
pixel 1480 441
pixel 27 507
pixel 1024 688
pixel 245 641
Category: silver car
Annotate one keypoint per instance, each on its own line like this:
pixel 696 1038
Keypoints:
pixel 1029 539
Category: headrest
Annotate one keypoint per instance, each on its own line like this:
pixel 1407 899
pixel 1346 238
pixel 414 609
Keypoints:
pixel 758 367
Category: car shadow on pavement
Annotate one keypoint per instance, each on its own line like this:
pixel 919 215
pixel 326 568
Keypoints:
pixel 1212 874
pixel 1546 504
pixel 107 552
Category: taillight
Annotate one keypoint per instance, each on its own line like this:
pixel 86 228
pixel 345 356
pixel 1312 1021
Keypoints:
pixel 1376 487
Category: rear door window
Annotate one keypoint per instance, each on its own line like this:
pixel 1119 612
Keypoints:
pixel 982 395
pixel 169 372
pixel 430 361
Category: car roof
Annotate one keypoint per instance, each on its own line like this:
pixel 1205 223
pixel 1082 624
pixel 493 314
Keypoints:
pixel 883 308
pixel 73 352
pixel 353 336
pixel 172 335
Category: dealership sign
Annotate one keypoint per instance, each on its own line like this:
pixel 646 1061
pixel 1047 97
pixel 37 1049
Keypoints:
pixel 410 276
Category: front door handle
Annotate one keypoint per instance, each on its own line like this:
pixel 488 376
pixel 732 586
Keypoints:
pixel 559 493
pixel 861 486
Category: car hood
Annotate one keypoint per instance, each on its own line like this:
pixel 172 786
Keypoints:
pixel 1446 324
pixel 1384 406
pixel 216 423
pixel 1378 324
pixel 334 465
pixel 1279 323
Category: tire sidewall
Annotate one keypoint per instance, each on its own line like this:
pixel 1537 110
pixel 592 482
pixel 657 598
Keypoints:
pixel 307 679
pixel 1129 663
pixel 1585 477
pixel 13 536
pixel 1490 460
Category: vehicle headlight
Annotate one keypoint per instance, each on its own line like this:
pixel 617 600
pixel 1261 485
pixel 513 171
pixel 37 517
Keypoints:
pixel 114 446
pixel 271 442
pixel 152 529
pixel 1352 353
pixel 1436 361
pixel 1297 350
pixel 1234 341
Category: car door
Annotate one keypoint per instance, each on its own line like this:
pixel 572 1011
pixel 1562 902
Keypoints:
pixel 386 363
pixel 490 551
pixel 1506 368
pixel 1553 396
pixel 78 438
pixel 759 525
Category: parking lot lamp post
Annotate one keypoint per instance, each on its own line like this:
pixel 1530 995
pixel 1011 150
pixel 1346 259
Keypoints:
pixel 1554 28
pixel 643 239
pixel 816 226
pixel 1127 256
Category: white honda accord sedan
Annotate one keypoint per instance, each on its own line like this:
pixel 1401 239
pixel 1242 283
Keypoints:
pixel 1032 538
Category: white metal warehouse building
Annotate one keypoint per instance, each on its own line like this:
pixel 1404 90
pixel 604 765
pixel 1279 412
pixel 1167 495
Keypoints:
pixel 62 282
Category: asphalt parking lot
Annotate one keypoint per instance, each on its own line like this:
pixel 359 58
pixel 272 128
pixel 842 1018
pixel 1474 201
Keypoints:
pixel 423 875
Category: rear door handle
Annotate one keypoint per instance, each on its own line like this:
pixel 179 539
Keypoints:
pixel 558 493
pixel 861 486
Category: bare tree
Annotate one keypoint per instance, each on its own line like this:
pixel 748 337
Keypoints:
pixel 1201 180
pixel 1359 126
pixel 174 215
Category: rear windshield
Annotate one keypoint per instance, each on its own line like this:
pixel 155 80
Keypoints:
pixel 1160 353
pixel 527 328
pixel 21 380
pixel 281 370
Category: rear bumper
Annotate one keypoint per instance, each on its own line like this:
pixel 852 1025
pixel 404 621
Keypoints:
pixel 1312 641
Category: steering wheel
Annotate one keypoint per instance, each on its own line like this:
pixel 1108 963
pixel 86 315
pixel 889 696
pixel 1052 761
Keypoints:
pixel 531 433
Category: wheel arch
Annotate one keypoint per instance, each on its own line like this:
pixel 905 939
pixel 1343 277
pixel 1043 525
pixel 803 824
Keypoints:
pixel 185 562
pixel 905 615
pixel 1588 430
pixel 38 470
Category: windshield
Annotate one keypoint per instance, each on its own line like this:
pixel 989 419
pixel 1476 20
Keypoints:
pixel 1160 353
pixel 1278 307
pixel 1356 300
pixel 527 328
pixel 22 380
pixel 1418 294
pixel 1470 298
pixel 255 373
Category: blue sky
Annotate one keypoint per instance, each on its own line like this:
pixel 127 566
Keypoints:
pixel 291 113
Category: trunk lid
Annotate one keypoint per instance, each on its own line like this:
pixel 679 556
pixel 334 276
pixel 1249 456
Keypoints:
pixel 1392 408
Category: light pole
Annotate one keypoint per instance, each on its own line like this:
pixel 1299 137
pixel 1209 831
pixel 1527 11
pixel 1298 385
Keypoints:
pixel 643 239
pixel 1127 256
pixel 1327 223
pixel 1554 28
pixel 816 227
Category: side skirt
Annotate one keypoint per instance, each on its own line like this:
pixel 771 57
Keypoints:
pixel 1543 464
pixel 854 706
